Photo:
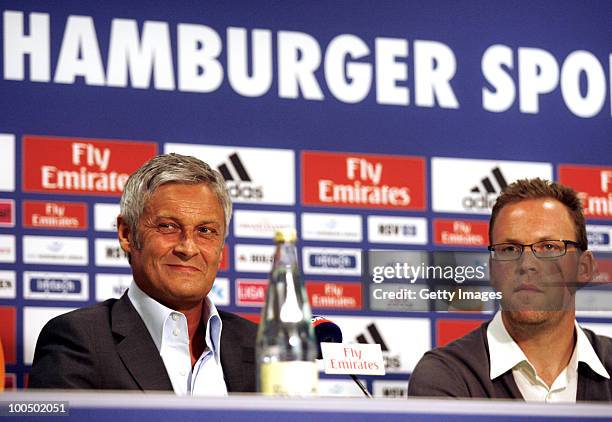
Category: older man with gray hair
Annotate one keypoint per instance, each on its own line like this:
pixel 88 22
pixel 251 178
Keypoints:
pixel 164 333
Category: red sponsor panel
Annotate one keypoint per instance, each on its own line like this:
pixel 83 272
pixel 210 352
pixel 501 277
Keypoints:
pixel 251 292
pixel 7 213
pixel 448 330
pixel 8 333
pixel 604 270
pixel 225 259
pixel 593 185
pixel 461 232
pixel 55 215
pixel 363 180
pixel 328 295
pixel 251 317
pixel 81 166
pixel 10 382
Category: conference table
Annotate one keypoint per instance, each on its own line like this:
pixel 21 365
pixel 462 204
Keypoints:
pixel 153 407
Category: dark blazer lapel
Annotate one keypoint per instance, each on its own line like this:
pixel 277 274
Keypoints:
pixel 136 347
pixel 237 358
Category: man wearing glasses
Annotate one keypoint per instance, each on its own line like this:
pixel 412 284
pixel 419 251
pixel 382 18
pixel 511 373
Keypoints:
pixel 532 349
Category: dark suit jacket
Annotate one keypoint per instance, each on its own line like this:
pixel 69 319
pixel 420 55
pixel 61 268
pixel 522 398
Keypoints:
pixel 107 346
pixel 462 368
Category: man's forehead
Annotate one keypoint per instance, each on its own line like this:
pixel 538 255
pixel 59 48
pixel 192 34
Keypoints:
pixel 537 218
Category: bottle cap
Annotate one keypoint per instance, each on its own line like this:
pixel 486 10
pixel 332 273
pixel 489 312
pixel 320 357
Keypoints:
pixel 285 236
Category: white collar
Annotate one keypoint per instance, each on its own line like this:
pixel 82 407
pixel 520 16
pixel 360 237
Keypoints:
pixel 505 354
pixel 154 315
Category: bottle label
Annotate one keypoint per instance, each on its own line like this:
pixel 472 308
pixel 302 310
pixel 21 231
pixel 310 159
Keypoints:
pixel 297 378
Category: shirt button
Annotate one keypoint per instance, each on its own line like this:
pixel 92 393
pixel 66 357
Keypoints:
pixel 182 373
pixel 175 317
pixel 176 332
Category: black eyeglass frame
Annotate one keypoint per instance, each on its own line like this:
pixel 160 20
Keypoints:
pixel 522 246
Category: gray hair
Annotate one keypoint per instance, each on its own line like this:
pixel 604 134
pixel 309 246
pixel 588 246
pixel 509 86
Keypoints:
pixel 169 168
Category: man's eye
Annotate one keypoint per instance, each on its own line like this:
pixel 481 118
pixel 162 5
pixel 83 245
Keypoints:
pixel 167 227
pixel 509 248
pixel 550 246
pixel 205 230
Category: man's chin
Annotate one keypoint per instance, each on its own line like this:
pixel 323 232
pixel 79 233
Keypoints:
pixel 527 317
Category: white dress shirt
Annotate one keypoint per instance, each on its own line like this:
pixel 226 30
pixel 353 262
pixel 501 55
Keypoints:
pixel 505 354
pixel 168 328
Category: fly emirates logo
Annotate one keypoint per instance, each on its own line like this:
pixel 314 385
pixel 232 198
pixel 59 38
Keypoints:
pixel 363 180
pixel 81 165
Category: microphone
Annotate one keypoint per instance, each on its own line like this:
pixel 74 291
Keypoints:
pixel 327 331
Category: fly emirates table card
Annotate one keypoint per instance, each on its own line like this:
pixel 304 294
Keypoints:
pixel 353 359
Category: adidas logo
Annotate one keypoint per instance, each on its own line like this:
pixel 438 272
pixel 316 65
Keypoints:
pixel 392 361
pixel 486 192
pixel 238 181
pixel 488 186
pixel 238 168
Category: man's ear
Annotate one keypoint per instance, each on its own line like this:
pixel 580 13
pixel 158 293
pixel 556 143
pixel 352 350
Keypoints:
pixel 586 268
pixel 126 238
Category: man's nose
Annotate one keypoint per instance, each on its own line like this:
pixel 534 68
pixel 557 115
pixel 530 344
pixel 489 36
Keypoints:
pixel 186 247
pixel 528 261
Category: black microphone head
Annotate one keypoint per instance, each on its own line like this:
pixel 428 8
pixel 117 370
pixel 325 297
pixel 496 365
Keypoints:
pixel 326 332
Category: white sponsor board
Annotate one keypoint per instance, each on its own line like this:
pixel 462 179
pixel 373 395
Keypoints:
pixel 7 285
pixel 600 238
pixel 390 389
pixel 253 258
pixel 598 328
pixel 261 224
pixel 332 261
pixel 331 227
pixel 220 294
pixel 402 230
pixel 34 319
pixel 55 286
pixel 110 254
pixel 253 175
pixel 403 340
pixel 55 250
pixel 339 388
pixel 7 248
pixel 109 286
pixel 471 186
pixel 7 169
pixel 105 217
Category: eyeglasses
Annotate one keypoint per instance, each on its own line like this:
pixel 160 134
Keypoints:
pixel 544 249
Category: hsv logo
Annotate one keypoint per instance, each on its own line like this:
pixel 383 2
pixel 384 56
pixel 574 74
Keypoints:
pixel 368 181
pixel 328 295
pixel 81 166
pixel 55 215
pixel 594 187
pixel 251 292
pixel 461 232
pixel 7 213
